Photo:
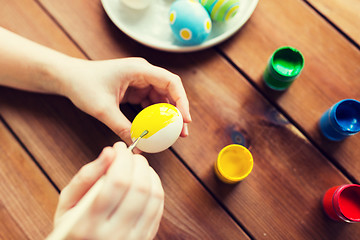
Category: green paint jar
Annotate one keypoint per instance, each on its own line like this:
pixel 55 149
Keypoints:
pixel 283 68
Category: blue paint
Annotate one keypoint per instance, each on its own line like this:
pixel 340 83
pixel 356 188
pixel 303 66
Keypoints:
pixel 341 120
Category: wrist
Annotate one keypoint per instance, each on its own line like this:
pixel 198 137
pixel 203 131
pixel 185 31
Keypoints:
pixel 60 74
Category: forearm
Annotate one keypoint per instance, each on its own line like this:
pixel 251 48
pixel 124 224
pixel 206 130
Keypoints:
pixel 29 66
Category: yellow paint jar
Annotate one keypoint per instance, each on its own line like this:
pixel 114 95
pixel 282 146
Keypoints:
pixel 234 163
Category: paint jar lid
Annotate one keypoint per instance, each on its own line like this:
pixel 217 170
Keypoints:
pixel 286 63
pixel 346 202
pixel 347 116
pixel 234 163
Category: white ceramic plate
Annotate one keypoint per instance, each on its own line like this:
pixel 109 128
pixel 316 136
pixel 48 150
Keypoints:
pixel 151 26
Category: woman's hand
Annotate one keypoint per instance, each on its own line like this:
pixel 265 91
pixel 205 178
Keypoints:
pixel 98 87
pixel 128 206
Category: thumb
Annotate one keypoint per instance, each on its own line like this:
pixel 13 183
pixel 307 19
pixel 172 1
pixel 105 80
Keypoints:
pixel 117 122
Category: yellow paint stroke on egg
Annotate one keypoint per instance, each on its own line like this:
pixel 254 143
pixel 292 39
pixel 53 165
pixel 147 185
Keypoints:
pixel 153 119
pixel 216 7
pixel 185 34
pixel 172 17
pixel 231 13
pixel 207 25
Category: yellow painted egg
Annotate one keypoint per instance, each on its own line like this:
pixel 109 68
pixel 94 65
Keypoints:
pixel 163 122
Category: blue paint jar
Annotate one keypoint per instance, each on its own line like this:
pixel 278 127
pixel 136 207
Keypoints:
pixel 341 120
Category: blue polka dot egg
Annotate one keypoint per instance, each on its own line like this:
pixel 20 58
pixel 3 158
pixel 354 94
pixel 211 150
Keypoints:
pixel 189 21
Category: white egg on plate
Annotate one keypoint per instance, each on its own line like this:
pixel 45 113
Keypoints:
pixel 163 122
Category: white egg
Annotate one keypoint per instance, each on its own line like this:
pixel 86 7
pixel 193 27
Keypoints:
pixel 163 122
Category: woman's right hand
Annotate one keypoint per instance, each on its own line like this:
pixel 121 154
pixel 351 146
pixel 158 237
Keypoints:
pixel 129 205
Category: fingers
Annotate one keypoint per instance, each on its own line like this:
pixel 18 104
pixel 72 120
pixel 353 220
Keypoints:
pixel 156 223
pixel 164 82
pixel 117 182
pixel 184 131
pixel 132 207
pixel 116 120
pixel 169 84
pixel 147 225
pixel 83 181
pixel 129 203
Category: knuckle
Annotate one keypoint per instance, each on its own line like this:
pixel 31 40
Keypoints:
pixel 121 183
pixel 83 176
pixel 120 145
pixel 123 133
pixel 142 60
pixel 100 112
pixel 143 189
pixel 177 79
pixel 63 193
pixel 107 150
pixel 158 191
pixel 138 61
pixel 141 159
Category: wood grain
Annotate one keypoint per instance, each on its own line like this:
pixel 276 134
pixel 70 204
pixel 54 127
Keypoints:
pixel 62 139
pixel 9 229
pixel 28 200
pixel 331 71
pixel 344 14
pixel 281 198
pixel 289 177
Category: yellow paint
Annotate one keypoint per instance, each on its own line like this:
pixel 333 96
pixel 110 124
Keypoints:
pixel 185 34
pixel 216 7
pixel 207 25
pixel 172 17
pixel 234 163
pixel 153 119
pixel 231 13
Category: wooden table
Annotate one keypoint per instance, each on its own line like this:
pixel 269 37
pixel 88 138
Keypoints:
pixel 44 139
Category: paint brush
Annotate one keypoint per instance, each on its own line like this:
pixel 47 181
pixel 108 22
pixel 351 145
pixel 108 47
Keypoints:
pixel 73 216
pixel 132 146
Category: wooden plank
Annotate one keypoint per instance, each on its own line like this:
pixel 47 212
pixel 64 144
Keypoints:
pixel 62 139
pixel 190 212
pixel 9 229
pixel 19 13
pixel 331 71
pixel 27 199
pixel 344 14
pixel 281 198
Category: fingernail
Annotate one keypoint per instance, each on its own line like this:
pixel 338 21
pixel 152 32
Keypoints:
pixel 189 116
pixel 186 129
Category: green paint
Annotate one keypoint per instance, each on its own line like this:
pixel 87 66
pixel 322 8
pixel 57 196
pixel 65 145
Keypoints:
pixel 284 66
